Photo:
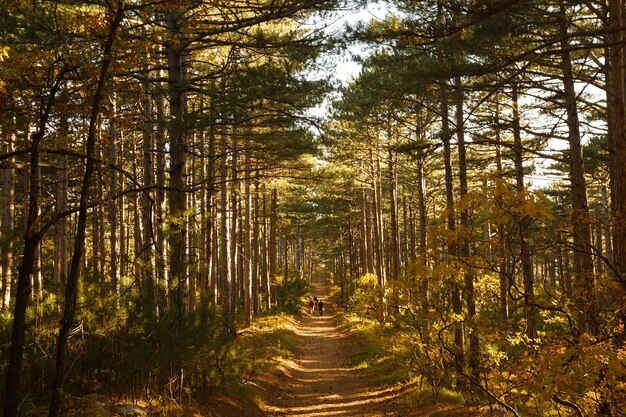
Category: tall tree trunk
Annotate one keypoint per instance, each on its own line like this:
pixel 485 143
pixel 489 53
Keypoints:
pixel 178 165
pixel 23 290
pixel 616 108
pixel 369 230
pixel 377 230
pixel 121 207
pixel 7 200
pixel 422 214
pixel 265 281
pixel 101 236
pixel 581 220
pixel 112 208
pixel 298 252
pixel 470 297
pixel 161 244
pixel 599 245
pixel 60 229
pixel 203 237
pixel 135 218
pixel 394 273
pixel 457 307
pixel 147 257
pixel 226 278
pixel 215 255
pixel 32 238
pixel 71 289
pixel 255 254
pixel 247 236
pixel 272 246
pixel 364 238
pixel 285 263
pixel 378 207
pixel 234 241
pixel 503 278
pixel 192 231
pixel 488 245
pixel 530 309
pixel 404 235
pixel 96 251
pixel 210 206
pixel 606 228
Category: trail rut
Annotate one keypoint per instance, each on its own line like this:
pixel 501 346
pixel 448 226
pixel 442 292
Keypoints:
pixel 319 382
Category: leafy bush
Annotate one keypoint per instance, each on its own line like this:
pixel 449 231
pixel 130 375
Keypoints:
pixel 373 350
pixel 291 294
pixel 120 354
pixel 365 300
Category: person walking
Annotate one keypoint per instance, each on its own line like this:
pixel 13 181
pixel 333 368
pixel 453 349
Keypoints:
pixel 312 306
pixel 320 307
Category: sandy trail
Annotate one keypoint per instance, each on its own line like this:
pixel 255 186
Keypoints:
pixel 319 381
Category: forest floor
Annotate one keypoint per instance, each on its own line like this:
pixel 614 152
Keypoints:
pixel 319 381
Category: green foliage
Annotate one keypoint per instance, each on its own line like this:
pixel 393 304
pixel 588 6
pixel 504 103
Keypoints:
pixel 291 294
pixel 118 353
pixel 375 349
pixel 417 343
pixel 424 397
pixel 365 300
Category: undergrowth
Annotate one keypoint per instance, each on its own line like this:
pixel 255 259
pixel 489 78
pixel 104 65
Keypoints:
pixel 372 351
pixel 206 366
pixel 383 353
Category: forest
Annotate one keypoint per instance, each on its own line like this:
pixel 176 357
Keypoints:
pixel 179 177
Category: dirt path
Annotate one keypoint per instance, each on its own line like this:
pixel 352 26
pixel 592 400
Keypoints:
pixel 319 381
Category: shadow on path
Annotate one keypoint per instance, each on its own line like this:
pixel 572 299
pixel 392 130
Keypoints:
pixel 319 381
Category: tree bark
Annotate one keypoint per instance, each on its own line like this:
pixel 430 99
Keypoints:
pixel 393 212
pixel 394 273
pixel 272 254
pixel 581 220
pixel 606 228
pixel 122 212
pixel 234 241
pixel 457 306
pixel 60 229
pixel 470 297
pixel 256 254
pixel 503 278
pixel 32 238
pixel 423 234
pixel 616 108
pixel 265 274
pixel 161 244
pixel 422 213
pixel 192 230
pixel 7 200
pixel 211 226
pixel 71 289
pixel 147 257
pixel 226 284
pixel 378 216
pixel 364 239
pixel 178 166
pixel 530 310
pixel 247 236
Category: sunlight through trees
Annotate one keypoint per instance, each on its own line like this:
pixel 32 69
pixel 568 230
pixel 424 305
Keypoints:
pixel 166 183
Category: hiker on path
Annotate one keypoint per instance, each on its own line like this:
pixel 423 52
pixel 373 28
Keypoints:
pixel 320 306
pixel 312 306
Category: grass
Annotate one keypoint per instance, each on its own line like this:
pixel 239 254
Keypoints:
pixel 380 351
pixel 371 350
pixel 424 397
pixel 252 354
